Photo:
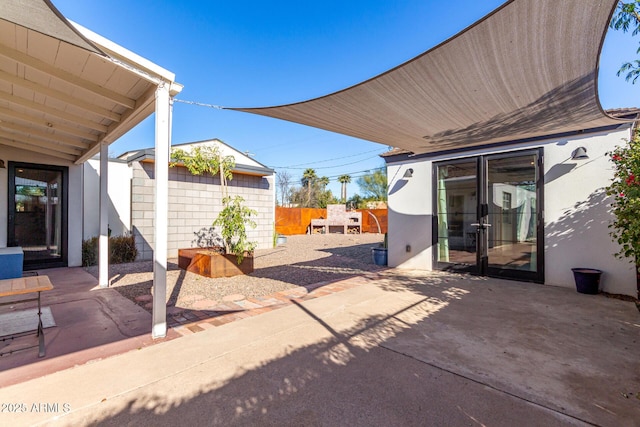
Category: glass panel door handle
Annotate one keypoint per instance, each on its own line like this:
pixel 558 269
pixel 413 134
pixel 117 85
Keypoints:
pixel 475 224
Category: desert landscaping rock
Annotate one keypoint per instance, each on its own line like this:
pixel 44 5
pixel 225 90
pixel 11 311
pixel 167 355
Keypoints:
pixel 304 261
pixel 204 304
pixel 144 298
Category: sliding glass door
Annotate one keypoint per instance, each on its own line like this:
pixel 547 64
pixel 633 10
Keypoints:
pixel 488 214
pixel 38 213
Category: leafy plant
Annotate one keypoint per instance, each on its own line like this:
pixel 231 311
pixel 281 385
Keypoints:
pixel 122 249
pixel 205 159
pixel 627 16
pixel 90 252
pixel 233 220
pixel 275 236
pixel 374 185
pixel 625 190
pixel 234 217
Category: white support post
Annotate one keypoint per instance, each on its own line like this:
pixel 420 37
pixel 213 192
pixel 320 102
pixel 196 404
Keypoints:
pixel 163 143
pixel 103 244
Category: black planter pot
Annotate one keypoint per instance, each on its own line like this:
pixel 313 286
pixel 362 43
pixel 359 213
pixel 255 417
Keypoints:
pixel 587 280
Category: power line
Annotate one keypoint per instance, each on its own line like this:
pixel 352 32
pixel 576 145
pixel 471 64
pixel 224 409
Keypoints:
pixel 199 104
pixel 330 160
pixel 328 167
pixel 342 157
pixel 353 174
pixel 290 142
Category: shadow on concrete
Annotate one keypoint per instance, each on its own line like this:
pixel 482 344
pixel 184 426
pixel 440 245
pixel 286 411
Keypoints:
pixel 343 262
pixel 460 351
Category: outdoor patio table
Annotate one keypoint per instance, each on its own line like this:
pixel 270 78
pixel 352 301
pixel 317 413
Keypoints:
pixel 23 286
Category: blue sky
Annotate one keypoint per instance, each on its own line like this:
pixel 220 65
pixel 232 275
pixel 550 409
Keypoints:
pixel 244 53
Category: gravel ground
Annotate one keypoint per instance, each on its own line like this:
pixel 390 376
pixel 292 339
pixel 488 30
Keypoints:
pixel 303 260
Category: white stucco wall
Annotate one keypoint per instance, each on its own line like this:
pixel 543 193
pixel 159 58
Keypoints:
pixel 74 234
pixel 119 189
pixel 75 216
pixel 577 213
pixel 410 216
pixel 576 210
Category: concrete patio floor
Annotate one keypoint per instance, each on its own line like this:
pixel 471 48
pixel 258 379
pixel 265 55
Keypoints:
pixel 91 324
pixel 397 348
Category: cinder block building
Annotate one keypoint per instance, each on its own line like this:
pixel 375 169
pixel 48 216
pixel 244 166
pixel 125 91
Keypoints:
pixel 194 201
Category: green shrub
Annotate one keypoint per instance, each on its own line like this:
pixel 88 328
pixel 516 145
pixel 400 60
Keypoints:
pixel 90 252
pixel 121 249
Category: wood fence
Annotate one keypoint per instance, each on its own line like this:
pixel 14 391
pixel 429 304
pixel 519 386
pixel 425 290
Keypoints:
pixel 291 221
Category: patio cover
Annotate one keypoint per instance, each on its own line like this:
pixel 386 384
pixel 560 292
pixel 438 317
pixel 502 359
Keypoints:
pixel 65 90
pixel 528 69
pixel 68 93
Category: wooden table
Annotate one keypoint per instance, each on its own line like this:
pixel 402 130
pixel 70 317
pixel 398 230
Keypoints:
pixel 24 286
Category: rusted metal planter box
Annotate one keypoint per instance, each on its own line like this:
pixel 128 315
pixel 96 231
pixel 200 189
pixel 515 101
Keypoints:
pixel 209 263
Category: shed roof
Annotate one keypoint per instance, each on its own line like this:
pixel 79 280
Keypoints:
pixel 245 165
pixel 526 70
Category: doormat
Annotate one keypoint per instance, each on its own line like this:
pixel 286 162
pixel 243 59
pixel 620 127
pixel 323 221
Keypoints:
pixel 21 321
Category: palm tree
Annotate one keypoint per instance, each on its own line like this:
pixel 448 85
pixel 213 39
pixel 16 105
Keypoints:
pixel 344 180
pixel 308 177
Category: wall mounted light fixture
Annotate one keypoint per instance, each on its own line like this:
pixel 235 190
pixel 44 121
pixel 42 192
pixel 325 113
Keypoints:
pixel 408 173
pixel 579 153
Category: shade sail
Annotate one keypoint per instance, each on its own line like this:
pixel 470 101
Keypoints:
pixel 42 17
pixel 527 70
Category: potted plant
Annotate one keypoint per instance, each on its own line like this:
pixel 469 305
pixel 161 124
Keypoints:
pixel 625 190
pixel 230 253
pixel 379 254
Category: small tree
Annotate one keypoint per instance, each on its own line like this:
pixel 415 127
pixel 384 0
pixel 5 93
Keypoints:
pixel 313 195
pixel 625 190
pixel 374 185
pixel 283 182
pixel 233 220
pixel 627 16
pixel 356 202
pixel 205 159
pixel 234 217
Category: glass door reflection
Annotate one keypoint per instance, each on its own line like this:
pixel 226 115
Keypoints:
pixel 37 214
pixel 456 200
pixel 512 200
pixel 487 215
